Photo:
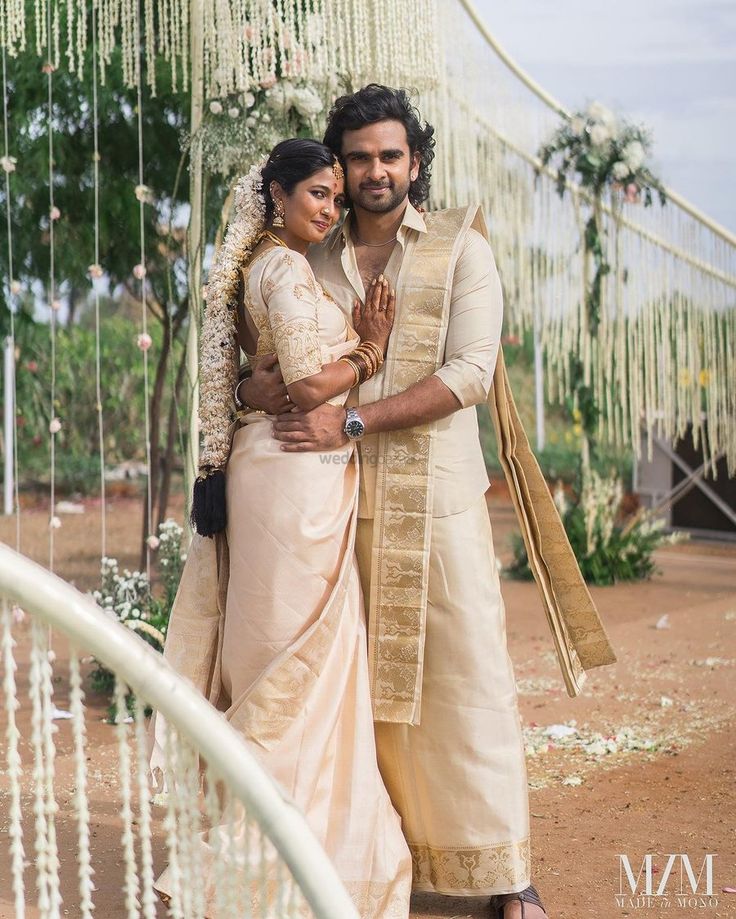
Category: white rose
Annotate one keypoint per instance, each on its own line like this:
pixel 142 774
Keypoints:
pixel 280 97
pixel 598 113
pixel 233 111
pixel 315 29
pixel 620 170
pixel 599 135
pixel 307 102
pixel 250 121
pixel 249 100
pixel 577 125
pixel 633 155
pixel 216 108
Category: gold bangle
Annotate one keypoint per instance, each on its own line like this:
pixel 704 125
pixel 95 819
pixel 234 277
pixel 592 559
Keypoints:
pixel 369 357
pixel 372 346
pixel 367 367
pixel 376 364
pixel 354 367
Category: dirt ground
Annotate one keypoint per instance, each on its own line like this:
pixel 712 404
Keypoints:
pixel 643 762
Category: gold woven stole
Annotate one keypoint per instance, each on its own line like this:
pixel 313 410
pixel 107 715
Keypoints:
pixel 403 515
pixel 404 481
pixel 579 636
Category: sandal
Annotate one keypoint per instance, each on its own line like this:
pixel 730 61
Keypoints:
pixel 529 895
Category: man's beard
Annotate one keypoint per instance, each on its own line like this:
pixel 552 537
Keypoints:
pixel 395 195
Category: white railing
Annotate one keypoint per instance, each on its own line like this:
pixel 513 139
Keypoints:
pixel 47 599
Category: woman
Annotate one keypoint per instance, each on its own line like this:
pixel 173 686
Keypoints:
pixel 288 664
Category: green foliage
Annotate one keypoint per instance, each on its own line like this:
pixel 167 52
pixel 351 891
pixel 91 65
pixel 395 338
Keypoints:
pixel 165 119
pixel 77 445
pixel 598 150
pixel 130 598
pixel 560 458
pixel 608 549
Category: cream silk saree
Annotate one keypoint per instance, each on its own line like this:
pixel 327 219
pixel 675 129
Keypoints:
pixel 279 645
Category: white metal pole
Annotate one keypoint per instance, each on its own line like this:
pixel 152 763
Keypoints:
pixel 9 363
pixel 194 251
pixel 75 615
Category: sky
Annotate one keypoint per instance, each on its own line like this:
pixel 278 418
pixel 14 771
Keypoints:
pixel 669 64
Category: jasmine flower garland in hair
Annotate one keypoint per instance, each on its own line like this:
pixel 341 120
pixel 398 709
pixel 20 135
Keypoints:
pixel 219 351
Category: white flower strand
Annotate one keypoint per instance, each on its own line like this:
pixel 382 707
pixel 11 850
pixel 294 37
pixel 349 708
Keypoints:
pixel 126 810
pixel 136 31
pixel 677 283
pixel 224 903
pixel 184 827
pixel 193 821
pixel 95 287
pixel 13 26
pixel 149 898
pixel 52 284
pixel 81 802
pixel 170 821
pixel 14 286
pixel 38 727
pixel 218 362
pixel 12 757
pixel 50 804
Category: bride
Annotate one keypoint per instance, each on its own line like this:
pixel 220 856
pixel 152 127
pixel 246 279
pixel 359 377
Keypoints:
pixel 285 652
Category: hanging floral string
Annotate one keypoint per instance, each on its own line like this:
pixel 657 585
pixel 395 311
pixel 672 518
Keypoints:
pixel 8 164
pixel 663 355
pixel 143 195
pixel 95 273
pixel 54 303
pixel 606 157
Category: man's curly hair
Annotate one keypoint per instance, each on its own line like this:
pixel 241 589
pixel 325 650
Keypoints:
pixel 375 103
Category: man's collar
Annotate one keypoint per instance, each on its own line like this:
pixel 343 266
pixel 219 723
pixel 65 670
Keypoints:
pixel 411 220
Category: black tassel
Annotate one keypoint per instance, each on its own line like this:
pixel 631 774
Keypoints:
pixel 209 511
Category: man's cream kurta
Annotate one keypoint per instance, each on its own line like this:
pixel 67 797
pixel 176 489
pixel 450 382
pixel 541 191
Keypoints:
pixel 458 778
pixel 473 335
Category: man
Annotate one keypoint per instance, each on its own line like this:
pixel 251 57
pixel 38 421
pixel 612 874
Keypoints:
pixel 447 724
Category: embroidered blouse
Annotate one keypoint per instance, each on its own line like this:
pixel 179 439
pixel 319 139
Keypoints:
pixel 295 317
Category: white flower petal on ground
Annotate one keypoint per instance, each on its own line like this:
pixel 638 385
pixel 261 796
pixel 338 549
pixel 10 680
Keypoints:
pixel 573 780
pixel 557 731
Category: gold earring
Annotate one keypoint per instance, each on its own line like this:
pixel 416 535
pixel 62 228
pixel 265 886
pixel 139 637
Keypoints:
pixel 278 213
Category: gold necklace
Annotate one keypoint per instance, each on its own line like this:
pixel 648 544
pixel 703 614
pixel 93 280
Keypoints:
pixel 267 234
pixel 374 245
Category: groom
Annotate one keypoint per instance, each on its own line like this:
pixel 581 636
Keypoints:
pixel 447 724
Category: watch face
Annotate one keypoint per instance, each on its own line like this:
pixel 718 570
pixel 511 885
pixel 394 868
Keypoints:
pixel 354 428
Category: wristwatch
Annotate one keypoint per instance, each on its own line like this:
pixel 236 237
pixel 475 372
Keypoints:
pixel 354 427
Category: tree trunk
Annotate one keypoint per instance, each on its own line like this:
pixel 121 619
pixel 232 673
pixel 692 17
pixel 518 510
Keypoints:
pixel 173 423
pixel 155 428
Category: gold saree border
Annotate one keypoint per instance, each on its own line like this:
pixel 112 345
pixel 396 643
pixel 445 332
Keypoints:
pixel 472 871
pixel 404 481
